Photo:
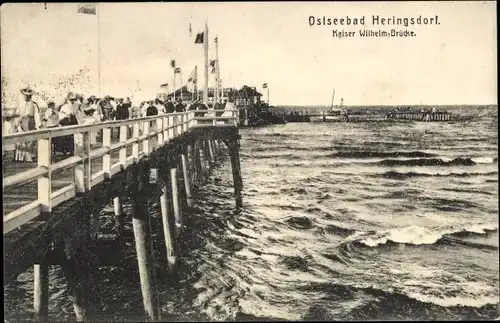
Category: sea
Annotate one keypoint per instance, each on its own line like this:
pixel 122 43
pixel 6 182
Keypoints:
pixel 384 220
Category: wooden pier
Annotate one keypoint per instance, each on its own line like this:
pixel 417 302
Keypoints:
pixel 162 157
pixel 421 116
pixel 302 116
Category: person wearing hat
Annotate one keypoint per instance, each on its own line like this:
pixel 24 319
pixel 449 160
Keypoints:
pixel 122 110
pixel 51 120
pixel 9 116
pixel 107 108
pixel 51 116
pixel 169 106
pixel 179 107
pixel 67 117
pixel 29 115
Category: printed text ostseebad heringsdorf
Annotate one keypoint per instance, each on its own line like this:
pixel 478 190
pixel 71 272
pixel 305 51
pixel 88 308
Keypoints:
pixel 375 20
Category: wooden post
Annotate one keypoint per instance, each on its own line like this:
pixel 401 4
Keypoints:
pixel 191 166
pixel 143 244
pixel 175 200
pixel 79 265
pixel 41 290
pixel 211 152
pixel 203 169
pixel 217 148
pixel 235 165
pixel 119 218
pixel 187 184
pixel 167 221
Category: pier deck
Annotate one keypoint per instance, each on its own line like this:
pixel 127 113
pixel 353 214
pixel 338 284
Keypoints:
pixel 51 206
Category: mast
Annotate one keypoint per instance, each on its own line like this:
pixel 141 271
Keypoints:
pixel 333 97
pixel 217 72
pixel 205 47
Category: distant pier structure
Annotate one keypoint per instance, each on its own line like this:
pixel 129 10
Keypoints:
pixel 421 116
pixel 52 206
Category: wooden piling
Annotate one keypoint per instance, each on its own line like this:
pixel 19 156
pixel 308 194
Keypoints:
pixel 166 216
pixel 203 168
pixel 41 290
pixel 191 165
pixel 143 244
pixel 119 217
pixel 187 184
pixel 235 165
pixel 211 152
pixel 175 200
pixel 80 266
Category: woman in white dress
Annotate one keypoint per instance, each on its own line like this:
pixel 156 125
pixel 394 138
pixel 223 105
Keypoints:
pixel 29 119
pixel 9 116
pixel 90 117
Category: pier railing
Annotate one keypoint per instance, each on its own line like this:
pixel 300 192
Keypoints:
pixel 141 136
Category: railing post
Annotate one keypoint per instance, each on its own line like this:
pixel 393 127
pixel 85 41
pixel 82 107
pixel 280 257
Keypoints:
pixel 171 124
pixel 44 185
pixel 179 124
pixel 106 142
pixel 82 173
pixel 159 130
pixel 123 151
pixel 186 121
pixel 165 129
pixel 135 135
pixel 145 142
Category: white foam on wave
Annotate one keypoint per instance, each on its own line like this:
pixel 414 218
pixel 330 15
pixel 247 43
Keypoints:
pixel 483 160
pixel 420 235
pixel 474 294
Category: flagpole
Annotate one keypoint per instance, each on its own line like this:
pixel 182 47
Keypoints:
pixel 267 95
pixel 174 83
pixel 99 46
pixel 182 84
pixel 205 47
pixel 196 81
pixel 217 74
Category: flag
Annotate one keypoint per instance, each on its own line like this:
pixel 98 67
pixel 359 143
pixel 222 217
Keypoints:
pixel 216 39
pixel 177 70
pixel 199 38
pixel 264 86
pixel 172 63
pixel 88 9
pixel 213 71
pixel 212 63
pixel 192 76
pixel 164 85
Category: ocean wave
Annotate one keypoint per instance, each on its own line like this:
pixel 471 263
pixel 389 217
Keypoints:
pixel 428 162
pixel 403 175
pixel 416 235
pixel 405 304
pixel 380 154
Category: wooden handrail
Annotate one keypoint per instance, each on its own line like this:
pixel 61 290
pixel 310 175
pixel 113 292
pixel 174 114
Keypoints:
pixel 148 132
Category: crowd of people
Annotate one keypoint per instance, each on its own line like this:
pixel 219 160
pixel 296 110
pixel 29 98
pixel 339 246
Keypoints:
pixel 78 109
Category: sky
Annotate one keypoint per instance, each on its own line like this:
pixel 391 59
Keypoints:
pixel 261 42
